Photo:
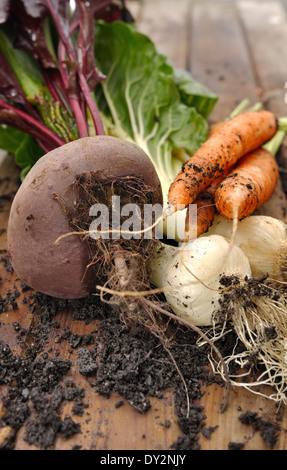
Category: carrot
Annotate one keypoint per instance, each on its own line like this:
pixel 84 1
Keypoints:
pixel 216 127
pixel 235 138
pixel 248 186
pixel 205 210
pixel 203 218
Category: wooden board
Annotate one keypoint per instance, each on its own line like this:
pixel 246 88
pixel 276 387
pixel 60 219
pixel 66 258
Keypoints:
pixel 172 37
pixel 219 56
pixel 219 43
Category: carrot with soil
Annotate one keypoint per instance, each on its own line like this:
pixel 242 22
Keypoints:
pixel 237 137
pixel 203 218
pixel 205 211
pixel 248 186
pixel 238 192
pixel 197 223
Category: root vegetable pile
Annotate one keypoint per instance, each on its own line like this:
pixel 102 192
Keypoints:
pixel 229 177
pixel 87 136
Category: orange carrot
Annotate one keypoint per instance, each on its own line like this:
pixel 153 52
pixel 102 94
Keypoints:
pixel 248 186
pixel 197 224
pixel 205 210
pixel 235 138
pixel 215 127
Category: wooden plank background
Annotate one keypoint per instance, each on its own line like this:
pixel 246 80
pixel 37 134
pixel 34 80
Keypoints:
pixel 238 49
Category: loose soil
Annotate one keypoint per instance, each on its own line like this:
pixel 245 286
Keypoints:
pixel 114 357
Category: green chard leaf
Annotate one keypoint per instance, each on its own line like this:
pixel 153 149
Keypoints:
pixel 27 153
pixel 194 93
pixel 23 146
pixel 142 99
pixel 10 138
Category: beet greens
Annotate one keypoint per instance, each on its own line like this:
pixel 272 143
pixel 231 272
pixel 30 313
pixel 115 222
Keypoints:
pixel 58 68
pixel 48 74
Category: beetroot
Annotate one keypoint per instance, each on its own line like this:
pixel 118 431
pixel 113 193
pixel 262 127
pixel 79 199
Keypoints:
pixel 55 199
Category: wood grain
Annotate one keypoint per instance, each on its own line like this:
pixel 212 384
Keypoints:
pixel 171 37
pixel 219 57
pixel 265 29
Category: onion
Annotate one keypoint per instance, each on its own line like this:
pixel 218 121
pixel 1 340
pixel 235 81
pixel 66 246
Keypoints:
pixel 191 276
pixel 263 240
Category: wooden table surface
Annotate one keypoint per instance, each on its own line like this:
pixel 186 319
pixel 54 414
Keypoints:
pixel 238 49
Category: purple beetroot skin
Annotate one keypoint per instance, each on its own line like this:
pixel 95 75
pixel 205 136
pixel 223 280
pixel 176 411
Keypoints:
pixel 37 218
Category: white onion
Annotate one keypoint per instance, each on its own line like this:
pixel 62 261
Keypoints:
pixel 263 239
pixel 207 259
pixel 158 266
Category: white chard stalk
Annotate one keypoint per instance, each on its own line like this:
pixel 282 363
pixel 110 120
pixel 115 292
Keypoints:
pixel 262 238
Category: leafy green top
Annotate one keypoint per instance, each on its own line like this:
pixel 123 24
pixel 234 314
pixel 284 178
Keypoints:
pixel 65 75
